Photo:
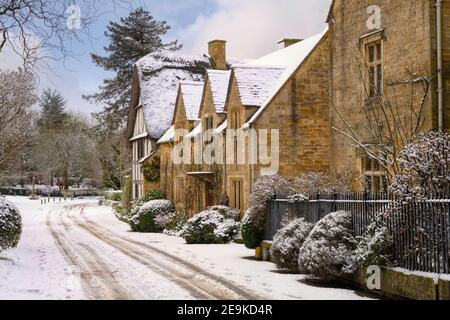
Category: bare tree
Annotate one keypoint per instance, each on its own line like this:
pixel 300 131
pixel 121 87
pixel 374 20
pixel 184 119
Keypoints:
pixel 28 26
pixel 390 122
pixel 17 95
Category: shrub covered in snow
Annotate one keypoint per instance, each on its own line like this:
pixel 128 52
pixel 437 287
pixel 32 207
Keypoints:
pixel 149 217
pixel 10 225
pixel 209 227
pixel 312 182
pixel 252 229
pixel 287 243
pixel 265 189
pixel 298 197
pixel 328 252
pixel 425 167
pixel 174 222
pixel 227 212
pixel 376 247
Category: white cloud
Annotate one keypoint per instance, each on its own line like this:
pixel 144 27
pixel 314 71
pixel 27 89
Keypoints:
pixel 252 27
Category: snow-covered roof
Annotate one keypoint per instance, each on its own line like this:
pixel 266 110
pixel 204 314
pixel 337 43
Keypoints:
pixel 139 136
pixel 255 82
pixel 219 81
pixel 168 136
pixel 221 128
pixel 192 92
pixel 290 58
pixel 196 131
pixel 159 77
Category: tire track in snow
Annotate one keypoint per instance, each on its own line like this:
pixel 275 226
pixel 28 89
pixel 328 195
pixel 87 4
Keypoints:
pixel 214 285
pixel 96 277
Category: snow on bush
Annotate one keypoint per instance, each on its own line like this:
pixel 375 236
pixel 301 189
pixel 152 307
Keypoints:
pixel 328 252
pixel 227 212
pixel 298 197
pixel 10 225
pixel 149 217
pixel 376 246
pixel 425 167
pixel 287 243
pixel 313 182
pixel 265 189
pixel 174 223
pixel 209 227
pixel 252 232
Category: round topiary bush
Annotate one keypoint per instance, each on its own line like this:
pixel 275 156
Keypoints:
pixel 287 243
pixel 148 217
pixel 227 212
pixel 209 227
pixel 328 252
pixel 10 225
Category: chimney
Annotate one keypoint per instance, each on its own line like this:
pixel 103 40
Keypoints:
pixel 217 53
pixel 286 42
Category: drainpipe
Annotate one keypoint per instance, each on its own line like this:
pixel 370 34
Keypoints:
pixel 439 64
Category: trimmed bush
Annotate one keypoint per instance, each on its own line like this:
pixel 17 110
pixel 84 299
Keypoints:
pixel 209 227
pixel 287 243
pixel 227 212
pixel 328 252
pixel 148 217
pixel 252 232
pixel 376 247
pixel 174 223
pixel 10 225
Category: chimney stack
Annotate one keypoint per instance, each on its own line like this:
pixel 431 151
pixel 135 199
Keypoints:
pixel 289 42
pixel 217 53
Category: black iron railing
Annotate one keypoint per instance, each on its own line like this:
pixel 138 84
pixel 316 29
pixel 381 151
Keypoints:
pixel 420 229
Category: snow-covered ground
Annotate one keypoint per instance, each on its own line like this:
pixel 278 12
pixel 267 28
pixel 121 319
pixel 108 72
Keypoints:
pixel 78 250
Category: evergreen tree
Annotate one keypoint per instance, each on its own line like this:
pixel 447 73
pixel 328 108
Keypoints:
pixel 53 107
pixel 130 39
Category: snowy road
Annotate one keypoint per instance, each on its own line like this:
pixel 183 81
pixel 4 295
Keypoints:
pixel 78 250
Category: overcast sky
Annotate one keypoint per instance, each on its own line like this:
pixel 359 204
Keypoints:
pixel 251 28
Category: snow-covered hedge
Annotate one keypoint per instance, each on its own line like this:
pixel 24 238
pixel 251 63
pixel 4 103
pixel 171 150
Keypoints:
pixel 174 222
pixel 265 189
pixel 328 252
pixel 227 212
pixel 149 217
pixel 209 227
pixel 10 225
pixel 376 247
pixel 287 243
pixel 252 228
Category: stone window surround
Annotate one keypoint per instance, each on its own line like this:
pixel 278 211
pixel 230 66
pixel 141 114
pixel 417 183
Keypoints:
pixel 364 41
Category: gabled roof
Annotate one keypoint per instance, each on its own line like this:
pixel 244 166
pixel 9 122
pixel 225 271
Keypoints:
pixel 290 58
pixel 159 75
pixel 192 92
pixel 255 82
pixel 219 81
pixel 168 136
